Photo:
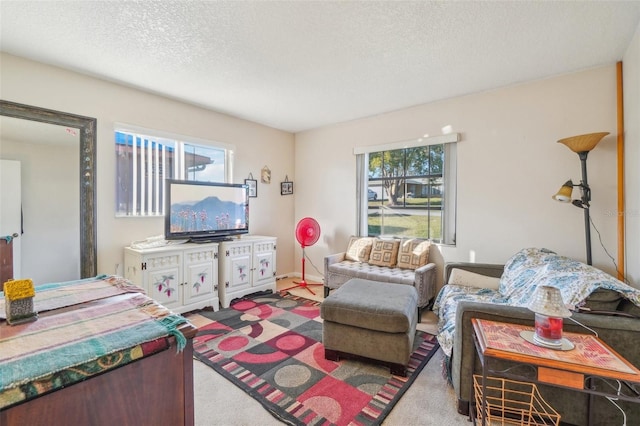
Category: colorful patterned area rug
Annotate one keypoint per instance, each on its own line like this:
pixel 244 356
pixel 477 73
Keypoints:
pixel 271 347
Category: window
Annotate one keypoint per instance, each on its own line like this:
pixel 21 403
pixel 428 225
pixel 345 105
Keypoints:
pixel 144 161
pixel 408 189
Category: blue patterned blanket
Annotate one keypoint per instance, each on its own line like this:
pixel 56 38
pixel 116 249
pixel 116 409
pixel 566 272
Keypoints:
pixel 523 273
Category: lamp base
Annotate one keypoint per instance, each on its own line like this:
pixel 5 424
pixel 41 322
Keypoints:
pixel 530 336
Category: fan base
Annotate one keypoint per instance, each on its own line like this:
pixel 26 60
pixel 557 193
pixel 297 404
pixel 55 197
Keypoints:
pixel 302 284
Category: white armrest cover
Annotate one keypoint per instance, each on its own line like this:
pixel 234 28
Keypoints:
pixel 471 279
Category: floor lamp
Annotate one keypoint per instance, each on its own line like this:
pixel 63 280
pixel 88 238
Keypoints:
pixel 581 145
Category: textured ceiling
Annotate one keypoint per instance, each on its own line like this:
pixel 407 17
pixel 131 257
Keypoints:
pixel 305 64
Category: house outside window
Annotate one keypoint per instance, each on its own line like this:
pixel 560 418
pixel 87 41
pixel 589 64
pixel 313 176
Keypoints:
pixel 408 190
pixel 145 159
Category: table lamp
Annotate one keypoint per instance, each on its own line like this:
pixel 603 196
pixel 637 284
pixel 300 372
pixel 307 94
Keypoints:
pixel 549 312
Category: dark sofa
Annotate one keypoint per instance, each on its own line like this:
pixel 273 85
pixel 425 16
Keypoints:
pixel 613 318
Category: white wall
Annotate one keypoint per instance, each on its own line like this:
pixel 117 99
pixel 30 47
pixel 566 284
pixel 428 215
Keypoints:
pixel 509 166
pixel 44 86
pixel 509 161
pixel 631 81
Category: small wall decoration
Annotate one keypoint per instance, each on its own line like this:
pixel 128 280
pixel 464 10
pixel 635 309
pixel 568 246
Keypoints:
pixel 265 176
pixel 253 186
pixel 286 187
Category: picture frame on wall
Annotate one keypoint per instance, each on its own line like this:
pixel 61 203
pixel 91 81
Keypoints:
pixel 286 188
pixel 253 187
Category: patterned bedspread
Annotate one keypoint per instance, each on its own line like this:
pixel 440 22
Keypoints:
pixel 59 295
pixel 523 273
pixel 83 339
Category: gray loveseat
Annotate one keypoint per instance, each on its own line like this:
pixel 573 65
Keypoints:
pixel 611 314
pixel 388 260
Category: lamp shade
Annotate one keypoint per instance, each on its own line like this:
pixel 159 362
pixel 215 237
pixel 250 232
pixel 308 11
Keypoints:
pixel 564 193
pixel 547 300
pixel 582 143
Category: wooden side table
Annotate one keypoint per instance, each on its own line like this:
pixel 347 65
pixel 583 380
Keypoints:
pixel 576 369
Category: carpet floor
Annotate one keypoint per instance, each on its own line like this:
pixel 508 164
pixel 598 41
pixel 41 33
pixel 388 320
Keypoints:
pixel 270 347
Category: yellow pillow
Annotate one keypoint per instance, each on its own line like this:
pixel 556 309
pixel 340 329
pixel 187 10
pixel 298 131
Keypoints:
pixel 413 253
pixel 384 252
pixel 359 249
pixel 471 279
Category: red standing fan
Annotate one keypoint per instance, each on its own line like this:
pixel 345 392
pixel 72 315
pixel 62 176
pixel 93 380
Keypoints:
pixel 307 234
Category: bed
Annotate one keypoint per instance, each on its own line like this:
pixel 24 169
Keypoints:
pixel 100 352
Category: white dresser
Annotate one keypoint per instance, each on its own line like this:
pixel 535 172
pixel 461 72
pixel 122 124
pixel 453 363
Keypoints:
pixel 182 277
pixel 246 265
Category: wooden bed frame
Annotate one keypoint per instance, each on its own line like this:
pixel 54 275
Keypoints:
pixel 155 390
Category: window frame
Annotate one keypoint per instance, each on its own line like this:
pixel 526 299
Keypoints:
pixel 178 170
pixel 449 175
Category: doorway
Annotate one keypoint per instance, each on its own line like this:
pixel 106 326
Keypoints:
pixel 10 220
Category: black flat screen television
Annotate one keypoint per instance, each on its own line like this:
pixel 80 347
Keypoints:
pixel 205 211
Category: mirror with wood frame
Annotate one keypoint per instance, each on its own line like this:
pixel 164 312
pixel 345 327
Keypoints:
pixel 85 128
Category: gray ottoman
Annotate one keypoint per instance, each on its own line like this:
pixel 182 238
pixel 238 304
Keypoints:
pixel 371 321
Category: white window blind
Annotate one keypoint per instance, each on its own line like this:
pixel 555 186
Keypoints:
pixel 146 158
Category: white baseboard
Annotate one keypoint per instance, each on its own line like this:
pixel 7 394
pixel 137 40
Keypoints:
pixel 314 278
